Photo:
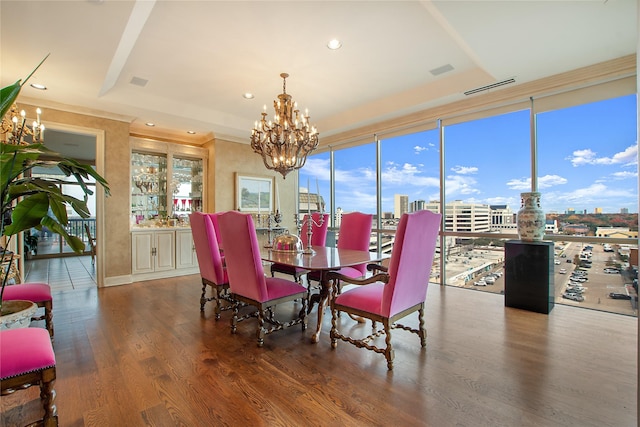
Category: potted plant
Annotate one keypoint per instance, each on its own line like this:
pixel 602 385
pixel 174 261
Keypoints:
pixel 34 202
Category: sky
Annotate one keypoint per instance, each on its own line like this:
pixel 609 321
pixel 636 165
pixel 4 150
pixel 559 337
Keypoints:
pixel 588 159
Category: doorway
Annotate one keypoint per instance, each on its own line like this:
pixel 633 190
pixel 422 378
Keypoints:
pixel 83 145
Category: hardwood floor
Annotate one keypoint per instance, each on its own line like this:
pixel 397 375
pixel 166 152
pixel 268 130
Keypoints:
pixel 142 355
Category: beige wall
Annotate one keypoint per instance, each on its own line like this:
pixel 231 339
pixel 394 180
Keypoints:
pixel 229 158
pixel 225 159
pixel 116 248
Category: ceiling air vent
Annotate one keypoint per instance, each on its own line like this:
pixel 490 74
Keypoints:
pixel 491 86
pixel 441 70
pixel 139 81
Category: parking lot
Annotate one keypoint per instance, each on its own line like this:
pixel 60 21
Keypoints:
pixel 467 271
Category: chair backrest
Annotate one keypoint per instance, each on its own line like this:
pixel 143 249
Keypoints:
pixel 242 255
pixel 216 227
pixel 355 233
pixel 92 241
pixel 319 236
pixel 207 250
pixel 411 260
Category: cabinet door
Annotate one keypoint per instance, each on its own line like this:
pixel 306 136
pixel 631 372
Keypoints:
pixel 165 251
pixel 142 245
pixel 185 252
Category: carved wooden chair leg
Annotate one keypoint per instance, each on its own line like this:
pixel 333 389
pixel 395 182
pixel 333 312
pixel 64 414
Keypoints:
pixel 261 330
pixel 48 317
pixel 422 331
pixel 388 352
pixel 203 296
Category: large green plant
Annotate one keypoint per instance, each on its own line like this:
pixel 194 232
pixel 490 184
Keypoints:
pixel 37 202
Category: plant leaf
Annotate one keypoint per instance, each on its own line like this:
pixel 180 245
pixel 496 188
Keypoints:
pixel 28 213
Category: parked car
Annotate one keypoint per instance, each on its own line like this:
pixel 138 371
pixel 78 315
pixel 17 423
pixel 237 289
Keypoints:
pixel 556 262
pixel 618 295
pixel 490 280
pixel 569 261
pixel 611 270
pixel 576 289
pixel 573 296
pixel 563 271
pixel 480 282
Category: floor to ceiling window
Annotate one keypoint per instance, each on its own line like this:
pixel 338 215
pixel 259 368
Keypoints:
pixel 585 166
pixel 588 176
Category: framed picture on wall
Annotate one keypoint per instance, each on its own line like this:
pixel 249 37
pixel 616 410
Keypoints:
pixel 254 193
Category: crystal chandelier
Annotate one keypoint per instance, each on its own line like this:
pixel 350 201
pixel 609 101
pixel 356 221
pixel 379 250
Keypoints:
pixel 284 143
pixel 14 128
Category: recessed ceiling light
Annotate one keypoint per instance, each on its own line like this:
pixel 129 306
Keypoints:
pixel 247 95
pixel 38 86
pixel 191 132
pixel 150 124
pixel 334 44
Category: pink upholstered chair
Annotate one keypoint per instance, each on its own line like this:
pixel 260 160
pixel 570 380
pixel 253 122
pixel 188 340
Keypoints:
pixel 38 293
pixel 354 233
pixel 394 294
pixel 216 227
pixel 27 359
pixel 318 238
pixel 247 281
pixel 210 262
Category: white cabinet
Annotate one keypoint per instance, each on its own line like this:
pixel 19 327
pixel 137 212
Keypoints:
pixel 153 251
pixel 185 250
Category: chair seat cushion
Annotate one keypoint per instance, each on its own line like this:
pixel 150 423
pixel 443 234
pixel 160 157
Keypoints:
pixel 34 292
pixel 278 288
pixel 25 350
pixel 366 298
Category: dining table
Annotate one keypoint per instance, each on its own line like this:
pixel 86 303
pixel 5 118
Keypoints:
pixel 322 259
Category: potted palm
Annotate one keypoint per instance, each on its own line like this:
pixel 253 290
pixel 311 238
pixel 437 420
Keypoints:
pixel 34 202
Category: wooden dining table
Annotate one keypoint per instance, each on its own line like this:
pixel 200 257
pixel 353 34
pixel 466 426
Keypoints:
pixel 323 259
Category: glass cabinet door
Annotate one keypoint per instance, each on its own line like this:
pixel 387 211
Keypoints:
pixel 186 186
pixel 148 186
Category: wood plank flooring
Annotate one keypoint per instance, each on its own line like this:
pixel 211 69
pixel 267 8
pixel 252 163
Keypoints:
pixel 143 355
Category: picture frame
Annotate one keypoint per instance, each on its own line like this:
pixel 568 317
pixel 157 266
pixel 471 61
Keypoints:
pixel 254 193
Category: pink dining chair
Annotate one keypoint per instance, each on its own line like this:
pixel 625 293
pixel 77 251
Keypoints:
pixel 354 233
pixel 216 227
pixel 247 281
pixel 318 238
pixel 27 359
pixel 395 292
pixel 38 293
pixel 210 262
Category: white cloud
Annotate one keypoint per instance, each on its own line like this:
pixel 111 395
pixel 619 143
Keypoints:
pixel 418 149
pixel 460 184
pixel 625 174
pixel 519 184
pixel 464 170
pixel 588 157
pixel 547 181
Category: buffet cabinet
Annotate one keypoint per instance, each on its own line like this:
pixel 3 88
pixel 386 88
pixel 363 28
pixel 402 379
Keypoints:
pixel 167 184
pixel 162 252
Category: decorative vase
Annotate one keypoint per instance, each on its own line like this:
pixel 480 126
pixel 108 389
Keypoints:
pixel 531 218
pixel 16 314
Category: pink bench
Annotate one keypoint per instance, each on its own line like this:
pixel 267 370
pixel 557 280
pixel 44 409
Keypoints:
pixel 40 294
pixel 27 359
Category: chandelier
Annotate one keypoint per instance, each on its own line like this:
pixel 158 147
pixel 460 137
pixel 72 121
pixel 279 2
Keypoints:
pixel 284 143
pixel 14 128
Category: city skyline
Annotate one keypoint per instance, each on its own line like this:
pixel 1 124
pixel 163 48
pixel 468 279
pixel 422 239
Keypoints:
pixel 587 160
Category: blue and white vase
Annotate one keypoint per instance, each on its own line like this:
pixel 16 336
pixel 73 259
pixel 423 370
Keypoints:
pixel 531 218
